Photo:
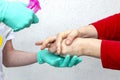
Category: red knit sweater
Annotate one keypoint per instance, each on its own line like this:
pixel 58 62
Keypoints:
pixel 109 32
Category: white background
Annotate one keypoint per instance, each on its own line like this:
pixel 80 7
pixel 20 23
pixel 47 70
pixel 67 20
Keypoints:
pixel 57 16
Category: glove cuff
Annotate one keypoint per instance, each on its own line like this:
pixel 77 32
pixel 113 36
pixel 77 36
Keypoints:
pixel 39 59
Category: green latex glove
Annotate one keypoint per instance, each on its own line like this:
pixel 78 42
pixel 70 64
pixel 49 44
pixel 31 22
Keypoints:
pixel 44 56
pixel 16 15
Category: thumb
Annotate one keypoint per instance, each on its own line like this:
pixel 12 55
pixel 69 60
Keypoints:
pixel 71 37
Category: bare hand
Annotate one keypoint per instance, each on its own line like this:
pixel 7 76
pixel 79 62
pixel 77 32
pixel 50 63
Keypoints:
pixel 69 35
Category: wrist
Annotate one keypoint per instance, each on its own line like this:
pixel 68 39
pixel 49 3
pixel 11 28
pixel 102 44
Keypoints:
pixel 82 32
pixel 92 47
pixel 88 31
pixel 39 59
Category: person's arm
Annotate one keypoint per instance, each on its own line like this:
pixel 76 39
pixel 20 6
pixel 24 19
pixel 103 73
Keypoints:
pixel 80 47
pixel 108 51
pixel 108 28
pixel 13 58
pixel 88 31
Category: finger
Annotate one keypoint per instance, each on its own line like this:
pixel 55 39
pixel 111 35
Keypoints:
pixel 59 40
pixel 71 37
pixel 78 60
pixel 41 42
pixel 38 43
pixel 48 46
pixel 52 48
pixel 73 61
pixel 47 41
pixel 65 61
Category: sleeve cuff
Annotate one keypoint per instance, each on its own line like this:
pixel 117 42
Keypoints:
pixel 110 54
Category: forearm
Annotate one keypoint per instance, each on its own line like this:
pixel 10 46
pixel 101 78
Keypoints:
pixel 107 50
pixel 88 31
pixel 19 58
pixel 83 47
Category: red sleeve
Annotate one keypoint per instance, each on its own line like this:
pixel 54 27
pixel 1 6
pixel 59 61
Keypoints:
pixel 108 28
pixel 110 54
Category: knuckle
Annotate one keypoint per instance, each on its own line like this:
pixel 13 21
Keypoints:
pixel 60 34
pixel 71 36
pixel 45 43
pixel 75 31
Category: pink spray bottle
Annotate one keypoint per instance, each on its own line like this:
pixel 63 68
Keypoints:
pixel 34 5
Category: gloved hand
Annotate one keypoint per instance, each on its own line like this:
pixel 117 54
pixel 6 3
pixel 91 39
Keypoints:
pixel 16 15
pixel 44 56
